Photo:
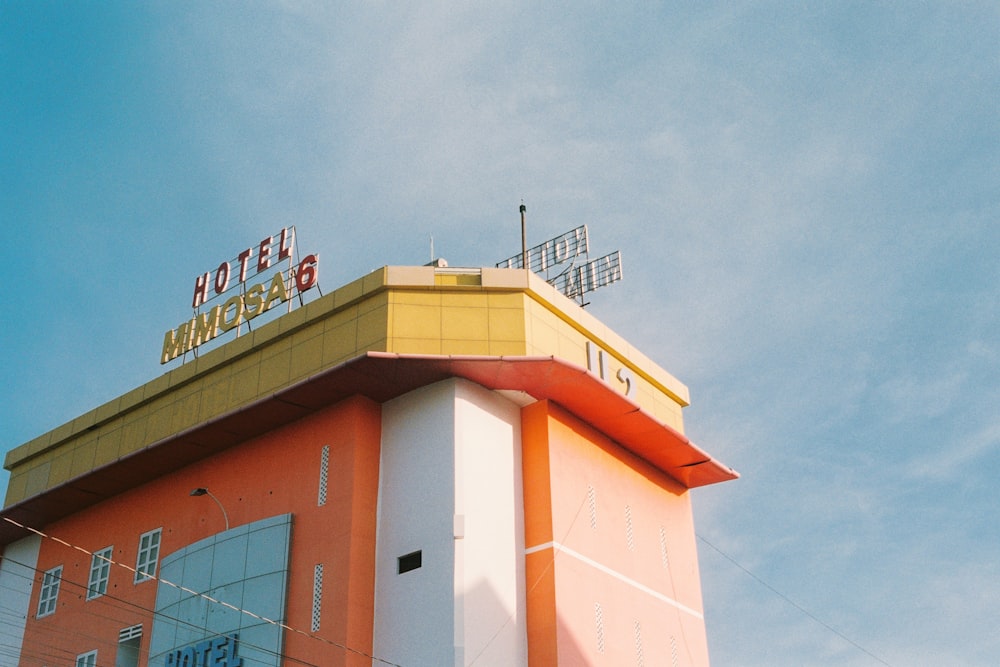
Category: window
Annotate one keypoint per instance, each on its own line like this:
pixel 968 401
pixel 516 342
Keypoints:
pixel 128 646
pixel 100 570
pixel 87 659
pixel 50 592
pixel 149 552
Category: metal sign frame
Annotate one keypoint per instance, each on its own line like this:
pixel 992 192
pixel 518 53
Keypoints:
pixel 555 260
pixel 595 273
pixel 552 253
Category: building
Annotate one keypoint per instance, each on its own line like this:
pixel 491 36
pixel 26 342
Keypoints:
pixel 415 469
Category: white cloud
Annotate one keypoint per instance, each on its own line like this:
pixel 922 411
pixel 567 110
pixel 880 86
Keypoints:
pixel 804 201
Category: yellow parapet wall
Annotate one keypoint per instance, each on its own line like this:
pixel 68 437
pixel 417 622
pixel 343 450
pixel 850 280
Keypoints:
pixel 405 310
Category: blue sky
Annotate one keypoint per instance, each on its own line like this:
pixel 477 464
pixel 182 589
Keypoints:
pixel 805 196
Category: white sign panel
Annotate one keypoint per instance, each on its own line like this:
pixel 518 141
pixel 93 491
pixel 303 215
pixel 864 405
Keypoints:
pixel 552 253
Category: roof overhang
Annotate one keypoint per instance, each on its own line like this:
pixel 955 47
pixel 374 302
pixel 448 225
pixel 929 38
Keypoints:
pixel 382 376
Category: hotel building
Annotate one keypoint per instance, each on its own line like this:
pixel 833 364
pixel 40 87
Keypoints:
pixel 428 466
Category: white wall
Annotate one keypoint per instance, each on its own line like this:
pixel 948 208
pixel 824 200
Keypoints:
pixel 17 573
pixel 489 579
pixel 450 486
pixel 414 611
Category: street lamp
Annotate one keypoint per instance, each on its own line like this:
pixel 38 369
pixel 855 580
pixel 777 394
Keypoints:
pixel 202 491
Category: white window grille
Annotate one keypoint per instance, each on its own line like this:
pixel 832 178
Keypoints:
pixel 149 554
pixel 130 632
pixel 128 646
pixel 48 596
pixel 87 659
pixel 100 571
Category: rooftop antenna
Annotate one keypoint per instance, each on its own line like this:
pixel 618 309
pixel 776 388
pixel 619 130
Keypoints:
pixel 524 239
pixel 432 248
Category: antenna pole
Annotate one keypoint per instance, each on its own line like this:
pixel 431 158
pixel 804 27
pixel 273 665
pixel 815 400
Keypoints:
pixel 524 240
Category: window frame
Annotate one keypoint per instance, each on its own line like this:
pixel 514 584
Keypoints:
pixel 48 593
pixel 100 572
pixel 88 659
pixel 129 645
pixel 148 557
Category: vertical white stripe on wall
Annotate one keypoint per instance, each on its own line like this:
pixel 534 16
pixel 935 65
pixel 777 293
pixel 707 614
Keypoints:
pixel 17 574
pixel 488 496
pixel 450 487
pixel 414 611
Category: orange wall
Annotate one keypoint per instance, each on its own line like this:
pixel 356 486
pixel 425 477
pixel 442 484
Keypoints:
pixel 577 485
pixel 580 490
pixel 273 474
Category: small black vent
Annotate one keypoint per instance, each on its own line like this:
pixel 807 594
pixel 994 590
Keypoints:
pixel 410 561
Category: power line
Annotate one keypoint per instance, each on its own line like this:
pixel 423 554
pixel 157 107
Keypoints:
pixel 544 572
pixel 288 628
pixel 531 588
pixel 794 604
pixel 105 600
pixel 204 596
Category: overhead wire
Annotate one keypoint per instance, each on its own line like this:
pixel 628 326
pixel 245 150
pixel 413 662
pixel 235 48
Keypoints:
pixel 205 596
pixel 531 588
pixel 101 601
pixel 105 598
pixel 549 566
pixel 791 602
pixel 747 571
pixel 344 647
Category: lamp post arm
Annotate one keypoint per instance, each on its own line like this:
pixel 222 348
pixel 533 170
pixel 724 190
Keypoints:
pixel 225 515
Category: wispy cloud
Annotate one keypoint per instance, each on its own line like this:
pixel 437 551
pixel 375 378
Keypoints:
pixel 804 198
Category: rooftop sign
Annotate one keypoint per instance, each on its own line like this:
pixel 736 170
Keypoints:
pixel 552 253
pixel 578 280
pixel 558 262
pixel 242 302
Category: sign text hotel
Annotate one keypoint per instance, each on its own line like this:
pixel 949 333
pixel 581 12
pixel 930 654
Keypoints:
pixel 243 302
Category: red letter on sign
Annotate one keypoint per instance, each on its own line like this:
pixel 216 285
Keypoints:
pixel 264 258
pixel 200 290
pixel 222 278
pixel 305 276
pixel 244 257
pixel 285 245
